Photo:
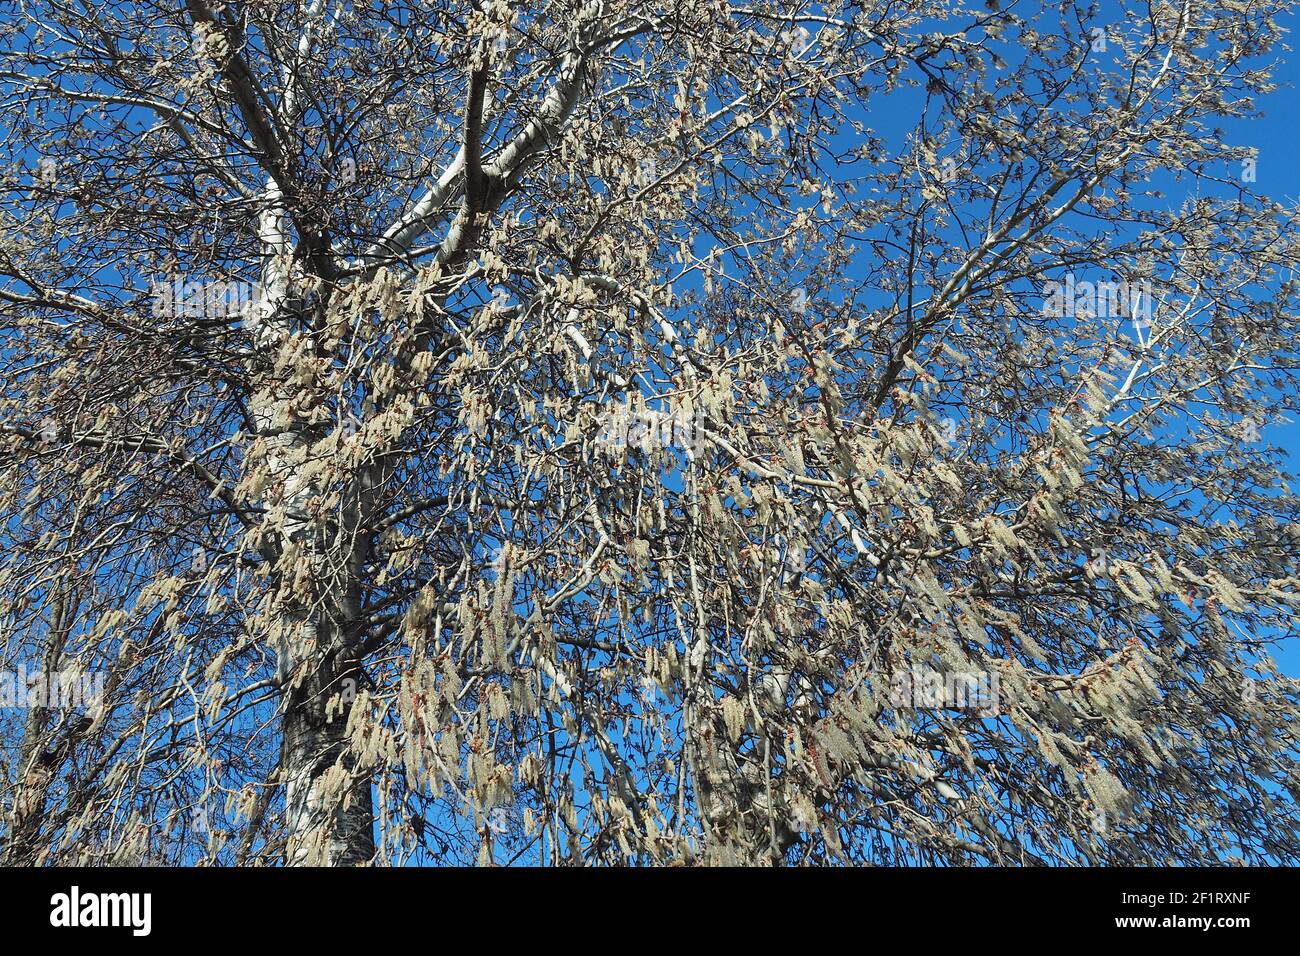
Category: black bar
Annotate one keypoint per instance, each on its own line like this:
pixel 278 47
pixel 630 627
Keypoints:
pixel 360 907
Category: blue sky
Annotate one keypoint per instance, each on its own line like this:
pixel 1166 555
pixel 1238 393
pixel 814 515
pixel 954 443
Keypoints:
pixel 1277 137
pixel 1277 170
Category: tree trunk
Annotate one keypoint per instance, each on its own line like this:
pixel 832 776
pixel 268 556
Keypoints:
pixel 323 826
pixel 315 610
pixel 43 750
pixel 314 621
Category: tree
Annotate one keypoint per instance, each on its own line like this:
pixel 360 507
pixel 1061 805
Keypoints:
pixel 579 432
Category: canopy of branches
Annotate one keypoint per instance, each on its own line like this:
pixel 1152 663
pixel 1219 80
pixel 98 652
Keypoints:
pixel 597 431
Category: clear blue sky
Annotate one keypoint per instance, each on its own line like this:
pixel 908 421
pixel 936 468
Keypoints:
pixel 1277 137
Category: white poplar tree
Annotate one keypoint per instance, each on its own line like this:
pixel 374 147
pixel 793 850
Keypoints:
pixel 594 431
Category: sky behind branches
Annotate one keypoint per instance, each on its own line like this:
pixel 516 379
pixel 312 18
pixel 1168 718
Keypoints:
pixel 897 117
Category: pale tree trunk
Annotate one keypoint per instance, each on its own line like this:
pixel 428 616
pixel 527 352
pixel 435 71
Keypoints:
pixel 314 615
pixel 314 621
pixel 323 827
pixel 329 804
